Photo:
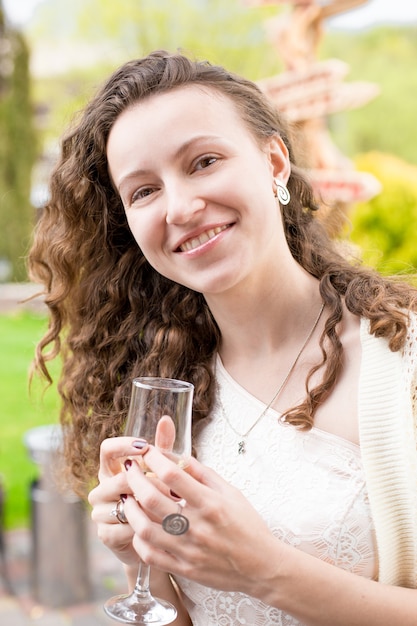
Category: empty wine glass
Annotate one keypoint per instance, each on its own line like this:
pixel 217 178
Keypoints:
pixel 160 411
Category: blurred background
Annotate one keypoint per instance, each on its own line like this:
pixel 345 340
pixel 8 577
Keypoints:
pixel 55 53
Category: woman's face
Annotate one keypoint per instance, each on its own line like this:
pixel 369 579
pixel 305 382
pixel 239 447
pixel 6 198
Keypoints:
pixel 198 189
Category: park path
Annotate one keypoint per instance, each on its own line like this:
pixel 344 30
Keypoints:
pixel 14 297
pixel 20 609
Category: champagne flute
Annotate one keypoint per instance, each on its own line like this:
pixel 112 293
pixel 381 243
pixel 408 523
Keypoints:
pixel 160 411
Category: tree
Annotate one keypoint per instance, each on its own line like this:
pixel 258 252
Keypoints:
pixel 17 151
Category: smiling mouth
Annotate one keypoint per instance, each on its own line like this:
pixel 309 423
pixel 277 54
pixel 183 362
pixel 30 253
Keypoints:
pixel 193 243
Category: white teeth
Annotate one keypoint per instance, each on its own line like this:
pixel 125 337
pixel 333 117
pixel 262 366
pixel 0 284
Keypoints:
pixel 198 241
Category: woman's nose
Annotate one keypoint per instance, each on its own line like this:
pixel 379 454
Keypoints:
pixel 182 205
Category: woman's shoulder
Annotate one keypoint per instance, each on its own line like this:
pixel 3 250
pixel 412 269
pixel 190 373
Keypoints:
pixel 376 348
pixel 411 324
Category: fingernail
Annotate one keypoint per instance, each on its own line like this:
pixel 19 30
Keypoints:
pixel 123 497
pixel 128 463
pixel 174 495
pixel 140 444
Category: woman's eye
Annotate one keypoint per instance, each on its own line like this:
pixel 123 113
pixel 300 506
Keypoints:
pixel 205 161
pixel 141 193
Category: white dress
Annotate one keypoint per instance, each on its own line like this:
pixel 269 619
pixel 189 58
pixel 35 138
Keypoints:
pixel 309 487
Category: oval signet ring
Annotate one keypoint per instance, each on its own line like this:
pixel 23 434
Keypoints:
pixel 176 523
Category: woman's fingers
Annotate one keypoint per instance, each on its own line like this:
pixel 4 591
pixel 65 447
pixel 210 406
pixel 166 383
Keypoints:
pixel 155 499
pixel 108 491
pixel 151 544
pixel 165 433
pixel 183 481
pixel 115 450
pixel 153 495
pixel 149 533
pixel 114 534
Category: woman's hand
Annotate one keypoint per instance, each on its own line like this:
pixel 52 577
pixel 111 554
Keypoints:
pixel 227 545
pixel 103 498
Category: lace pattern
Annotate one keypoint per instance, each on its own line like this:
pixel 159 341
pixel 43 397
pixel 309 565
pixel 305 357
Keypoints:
pixel 308 487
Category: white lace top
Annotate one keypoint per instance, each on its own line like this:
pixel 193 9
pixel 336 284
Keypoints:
pixel 309 488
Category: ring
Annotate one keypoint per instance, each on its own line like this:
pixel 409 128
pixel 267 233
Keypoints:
pixel 176 523
pixel 119 513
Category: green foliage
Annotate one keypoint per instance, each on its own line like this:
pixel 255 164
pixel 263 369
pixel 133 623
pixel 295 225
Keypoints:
pixel 385 228
pixel 386 56
pixel 225 32
pixel 17 153
pixel 21 410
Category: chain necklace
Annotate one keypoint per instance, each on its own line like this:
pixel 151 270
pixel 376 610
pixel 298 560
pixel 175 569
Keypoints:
pixel 241 449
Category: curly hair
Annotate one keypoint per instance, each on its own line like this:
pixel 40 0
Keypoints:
pixel 113 317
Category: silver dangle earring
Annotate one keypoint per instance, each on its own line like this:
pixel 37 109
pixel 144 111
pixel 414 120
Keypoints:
pixel 282 193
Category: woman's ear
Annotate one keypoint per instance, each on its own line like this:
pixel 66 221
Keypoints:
pixel 279 159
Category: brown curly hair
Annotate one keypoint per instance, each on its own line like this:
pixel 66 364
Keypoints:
pixel 113 317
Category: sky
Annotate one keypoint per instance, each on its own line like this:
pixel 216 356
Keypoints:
pixel 372 13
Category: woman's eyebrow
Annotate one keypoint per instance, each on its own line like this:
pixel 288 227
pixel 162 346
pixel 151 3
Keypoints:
pixel 181 150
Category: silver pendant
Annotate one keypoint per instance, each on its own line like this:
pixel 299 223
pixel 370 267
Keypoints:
pixel 241 447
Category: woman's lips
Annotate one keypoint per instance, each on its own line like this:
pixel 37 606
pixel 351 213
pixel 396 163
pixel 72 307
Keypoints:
pixel 195 242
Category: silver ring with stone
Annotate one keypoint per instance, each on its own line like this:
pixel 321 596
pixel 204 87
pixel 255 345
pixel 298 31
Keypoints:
pixel 119 513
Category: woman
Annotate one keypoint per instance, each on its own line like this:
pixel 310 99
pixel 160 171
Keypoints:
pixel 180 240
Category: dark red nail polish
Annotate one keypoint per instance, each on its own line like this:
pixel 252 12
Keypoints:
pixel 128 464
pixel 123 497
pixel 174 495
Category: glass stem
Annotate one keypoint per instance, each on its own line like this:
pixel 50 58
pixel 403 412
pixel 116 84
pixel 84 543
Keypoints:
pixel 142 581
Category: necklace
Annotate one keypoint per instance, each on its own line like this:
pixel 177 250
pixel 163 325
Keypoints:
pixel 241 449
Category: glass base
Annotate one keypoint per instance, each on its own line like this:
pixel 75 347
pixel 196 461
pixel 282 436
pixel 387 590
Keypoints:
pixel 137 609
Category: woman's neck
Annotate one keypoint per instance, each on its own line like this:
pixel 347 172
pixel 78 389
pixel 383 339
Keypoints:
pixel 260 321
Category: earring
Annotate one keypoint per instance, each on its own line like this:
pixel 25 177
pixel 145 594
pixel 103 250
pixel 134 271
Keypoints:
pixel 282 193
